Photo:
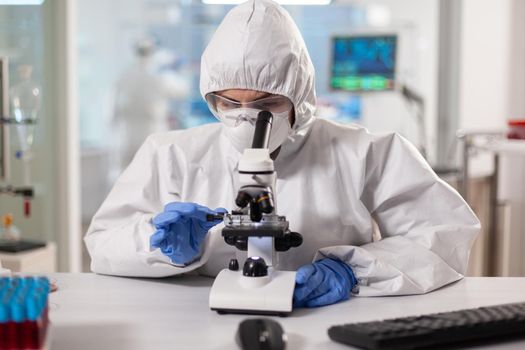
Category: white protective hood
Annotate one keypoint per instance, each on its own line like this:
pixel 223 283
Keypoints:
pixel 249 50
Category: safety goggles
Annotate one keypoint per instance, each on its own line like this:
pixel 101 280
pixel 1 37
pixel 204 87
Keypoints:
pixel 221 106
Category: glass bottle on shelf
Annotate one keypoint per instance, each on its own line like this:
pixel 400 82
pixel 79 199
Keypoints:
pixel 26 99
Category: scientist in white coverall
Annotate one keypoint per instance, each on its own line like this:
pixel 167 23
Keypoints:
pixel 333 182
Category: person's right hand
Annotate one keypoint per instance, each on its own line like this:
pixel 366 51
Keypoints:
pixel 181 229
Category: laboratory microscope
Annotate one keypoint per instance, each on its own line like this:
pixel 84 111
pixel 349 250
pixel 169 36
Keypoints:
pixel 255 227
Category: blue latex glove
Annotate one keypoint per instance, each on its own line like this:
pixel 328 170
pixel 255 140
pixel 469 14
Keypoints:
pixel 181 229
pixel 323 282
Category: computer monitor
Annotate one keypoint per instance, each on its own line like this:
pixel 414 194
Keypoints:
pixel 363 63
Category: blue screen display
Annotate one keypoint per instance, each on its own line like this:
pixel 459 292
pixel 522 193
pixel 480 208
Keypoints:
pixel 363 63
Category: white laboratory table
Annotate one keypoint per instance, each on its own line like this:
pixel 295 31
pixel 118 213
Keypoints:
pixel 100 312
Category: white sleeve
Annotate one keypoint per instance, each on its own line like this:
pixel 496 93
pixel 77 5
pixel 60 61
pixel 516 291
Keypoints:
pixel 427 229
pixel 118 237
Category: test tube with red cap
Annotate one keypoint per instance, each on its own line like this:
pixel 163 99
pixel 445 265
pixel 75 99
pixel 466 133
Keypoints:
pixel 23 312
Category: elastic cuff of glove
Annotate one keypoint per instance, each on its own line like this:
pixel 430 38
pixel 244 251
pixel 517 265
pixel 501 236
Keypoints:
pixel 354 280
pixel 355 289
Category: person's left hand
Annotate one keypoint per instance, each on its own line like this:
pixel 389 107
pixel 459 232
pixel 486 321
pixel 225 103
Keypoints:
pixel 323 282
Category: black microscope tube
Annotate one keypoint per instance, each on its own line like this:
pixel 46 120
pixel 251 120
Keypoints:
pixel 263 127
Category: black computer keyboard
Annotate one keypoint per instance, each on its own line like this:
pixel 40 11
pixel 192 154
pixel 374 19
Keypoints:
pixel 442 330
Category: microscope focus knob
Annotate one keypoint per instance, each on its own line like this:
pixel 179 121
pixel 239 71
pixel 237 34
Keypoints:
pixel 234 265
pixel 255 267
pixel 289 240
pixel 296 239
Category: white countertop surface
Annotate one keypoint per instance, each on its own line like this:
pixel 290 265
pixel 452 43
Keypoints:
pixel 101 312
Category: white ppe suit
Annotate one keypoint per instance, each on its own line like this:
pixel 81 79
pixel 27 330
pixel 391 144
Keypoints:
pixel 333 180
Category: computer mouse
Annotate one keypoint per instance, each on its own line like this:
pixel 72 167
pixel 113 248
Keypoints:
pixel 260 334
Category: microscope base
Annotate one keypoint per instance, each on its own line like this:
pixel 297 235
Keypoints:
pixel 233 293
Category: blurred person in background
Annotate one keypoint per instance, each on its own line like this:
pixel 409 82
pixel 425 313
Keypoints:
pixel 142 99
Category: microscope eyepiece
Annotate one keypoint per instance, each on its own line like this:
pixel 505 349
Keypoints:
pixel 263 127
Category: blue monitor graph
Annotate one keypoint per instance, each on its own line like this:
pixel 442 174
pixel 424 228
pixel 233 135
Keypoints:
pixel 363 63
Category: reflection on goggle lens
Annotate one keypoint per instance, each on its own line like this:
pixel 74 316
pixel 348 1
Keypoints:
pixel 234 117
pixel 273 104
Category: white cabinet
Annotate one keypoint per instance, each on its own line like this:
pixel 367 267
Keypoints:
pixel 40 260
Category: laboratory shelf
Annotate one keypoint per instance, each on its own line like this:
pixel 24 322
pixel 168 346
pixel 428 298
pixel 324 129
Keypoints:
pixel 510 147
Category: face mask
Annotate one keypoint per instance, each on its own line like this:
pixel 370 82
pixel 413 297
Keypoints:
pixel 241 135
